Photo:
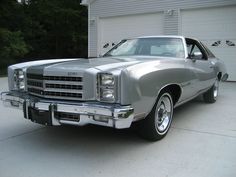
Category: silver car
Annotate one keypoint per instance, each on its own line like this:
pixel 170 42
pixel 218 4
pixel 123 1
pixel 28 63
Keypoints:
pixel 139 80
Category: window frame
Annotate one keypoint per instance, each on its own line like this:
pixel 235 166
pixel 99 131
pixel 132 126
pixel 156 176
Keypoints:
pixel 200 47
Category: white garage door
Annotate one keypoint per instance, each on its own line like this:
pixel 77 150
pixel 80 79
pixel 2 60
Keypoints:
pixel 216 27
pixel 113 29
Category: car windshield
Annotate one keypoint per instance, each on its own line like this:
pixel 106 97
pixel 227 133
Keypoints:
pixel 159 46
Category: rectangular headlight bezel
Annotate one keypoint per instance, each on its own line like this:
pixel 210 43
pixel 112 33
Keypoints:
pixel 106 87
pixel 19 79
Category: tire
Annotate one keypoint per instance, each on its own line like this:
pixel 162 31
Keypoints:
pixel 156 125
pixel 211 95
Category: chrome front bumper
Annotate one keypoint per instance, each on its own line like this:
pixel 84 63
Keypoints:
pixel 75 113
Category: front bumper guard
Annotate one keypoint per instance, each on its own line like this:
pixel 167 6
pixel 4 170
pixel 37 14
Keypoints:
pixel 114 115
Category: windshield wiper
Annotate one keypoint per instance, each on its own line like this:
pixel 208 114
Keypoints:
pixel 107 55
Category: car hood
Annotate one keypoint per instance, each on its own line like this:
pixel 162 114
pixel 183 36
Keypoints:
pixel 78 66
pixel 98 63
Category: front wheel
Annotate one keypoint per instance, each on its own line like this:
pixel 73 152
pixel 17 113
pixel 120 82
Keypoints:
pixel 211 95
pixel 156 125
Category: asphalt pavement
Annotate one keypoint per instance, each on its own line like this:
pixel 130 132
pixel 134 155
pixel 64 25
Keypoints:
pixel 200 143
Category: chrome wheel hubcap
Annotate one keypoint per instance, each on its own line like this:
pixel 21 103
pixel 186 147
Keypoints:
pixel 163 115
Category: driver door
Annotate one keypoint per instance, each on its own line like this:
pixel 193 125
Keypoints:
pixel 200 67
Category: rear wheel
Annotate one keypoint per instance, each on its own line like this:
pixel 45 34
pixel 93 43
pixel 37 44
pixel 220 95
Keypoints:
pixel 156 125
pixel 211 95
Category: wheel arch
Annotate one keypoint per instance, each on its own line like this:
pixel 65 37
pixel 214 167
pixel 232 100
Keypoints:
pixel 174 89
pixel 219 75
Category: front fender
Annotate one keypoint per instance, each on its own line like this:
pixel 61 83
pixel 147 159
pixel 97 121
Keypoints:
pixel 141 83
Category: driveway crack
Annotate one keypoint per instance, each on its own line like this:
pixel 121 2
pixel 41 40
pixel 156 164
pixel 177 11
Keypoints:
pixel 203 132
pixel 21 134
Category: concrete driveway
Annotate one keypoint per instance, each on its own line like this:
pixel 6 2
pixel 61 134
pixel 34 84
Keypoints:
pixel 201 143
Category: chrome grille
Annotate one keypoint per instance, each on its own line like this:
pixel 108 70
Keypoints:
pixel 63 78
pixel 65 86
pixel 35 83
pixel 58 87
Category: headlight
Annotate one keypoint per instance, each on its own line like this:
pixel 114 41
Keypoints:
pixel 106 87
pixel 107 79
pixel 107 95
pixel 19 79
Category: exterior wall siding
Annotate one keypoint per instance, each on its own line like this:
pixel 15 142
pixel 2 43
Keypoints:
pixel 171 9
pixel 171 22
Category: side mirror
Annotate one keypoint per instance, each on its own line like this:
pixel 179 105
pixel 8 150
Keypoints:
pixel 196 55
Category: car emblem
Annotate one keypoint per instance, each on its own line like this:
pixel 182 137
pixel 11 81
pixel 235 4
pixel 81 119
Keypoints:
pixel 72 73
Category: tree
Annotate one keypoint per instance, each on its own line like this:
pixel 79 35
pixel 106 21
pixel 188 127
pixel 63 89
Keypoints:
pixel 12 44
pixel 58 28
pixel 42 29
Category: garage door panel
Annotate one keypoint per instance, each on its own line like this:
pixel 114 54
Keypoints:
pixel 229 57
pixel 114 29
pixel 209 23
pixel 212 25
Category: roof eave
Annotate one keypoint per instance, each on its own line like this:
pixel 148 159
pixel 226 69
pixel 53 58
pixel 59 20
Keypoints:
pixel 86 2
